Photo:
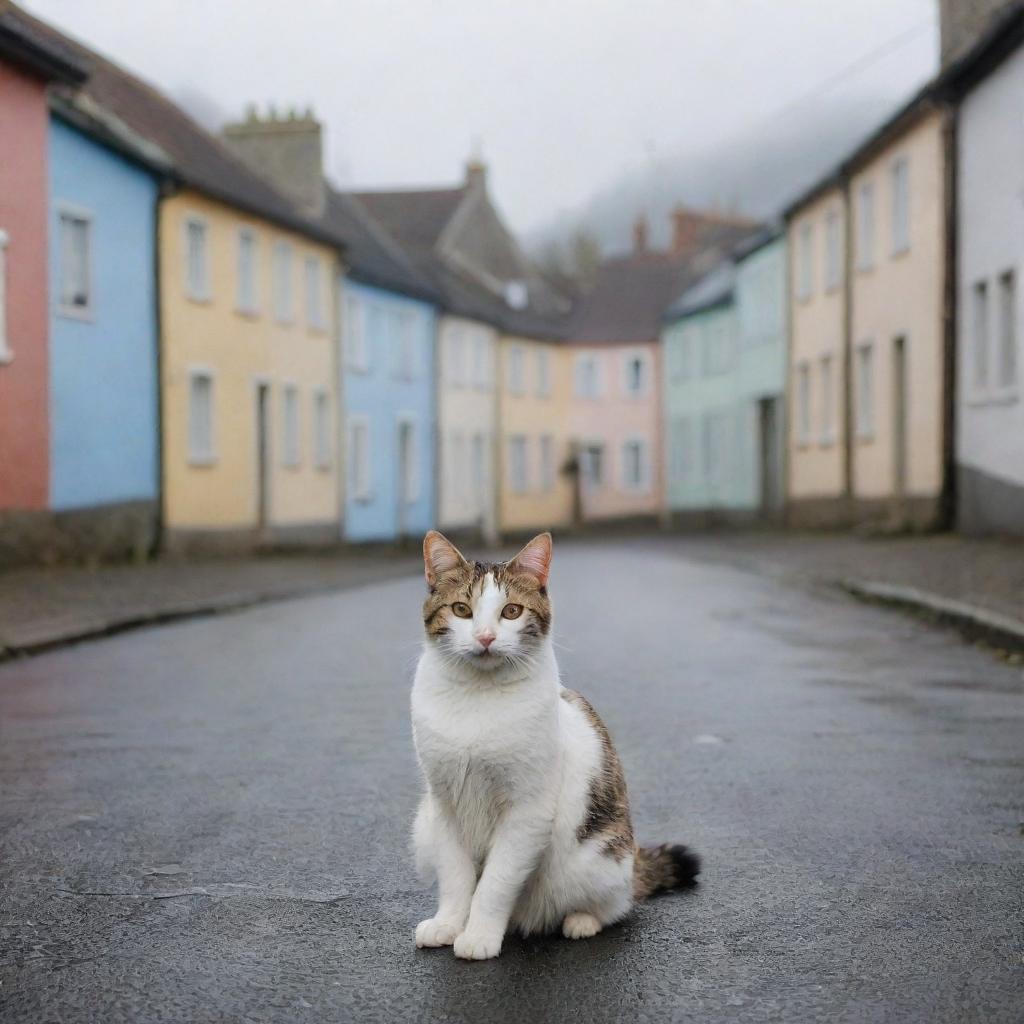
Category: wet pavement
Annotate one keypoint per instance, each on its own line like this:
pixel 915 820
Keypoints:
pixel 208 821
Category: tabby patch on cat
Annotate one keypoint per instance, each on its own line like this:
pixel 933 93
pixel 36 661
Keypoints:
pixel 525 820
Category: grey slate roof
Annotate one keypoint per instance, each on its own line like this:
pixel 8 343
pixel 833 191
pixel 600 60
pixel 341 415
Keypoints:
pixel 714 289
pixel 22 43
pixel 416 217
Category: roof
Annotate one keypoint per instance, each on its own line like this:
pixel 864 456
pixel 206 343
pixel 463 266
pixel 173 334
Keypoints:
pixel 198 158
pixel 371 255
pixel 754 243
pixel 23 44
pixel 714 289
pixel 1004 34
pixel 417 217
pixel 630 294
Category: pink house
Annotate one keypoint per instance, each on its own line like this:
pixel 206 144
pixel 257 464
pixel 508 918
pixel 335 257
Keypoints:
pixel 615 415
pixel 27 65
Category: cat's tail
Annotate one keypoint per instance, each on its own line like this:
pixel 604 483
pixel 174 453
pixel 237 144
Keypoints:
pixel 658 868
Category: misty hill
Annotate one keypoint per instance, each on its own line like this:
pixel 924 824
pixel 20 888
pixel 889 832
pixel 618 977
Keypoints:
pixel 755 174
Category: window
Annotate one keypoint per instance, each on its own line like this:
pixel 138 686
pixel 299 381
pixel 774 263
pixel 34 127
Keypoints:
pixel 1007 330
pixel 75 263
pixel 290 448
pixel 517 468
pixel 360 483
pixel 481 360
pixel 197 259
pixel 715 453
pixel 543 373
pixel 900 206
pixel 805 261
pixel 980 315
pixel 680 441
pixel 405 340
pixel 322 430
pixel 592 465
pixel 6 355
pixel 517 295
pixel 865 408
pixel 408 461
pixel 200 418
pixel 357 355
pixel 547 463
pixel 866 226
pixel 803 403
pixel 588 376
pixel 683 355
pixel 479 466
pixel 636 375
pixel 833 251
pixel 283 282
pixel 828 419
pixel 457 358
pixel 315 318
pixel 635 475
pixel 516 370
pixel 246 298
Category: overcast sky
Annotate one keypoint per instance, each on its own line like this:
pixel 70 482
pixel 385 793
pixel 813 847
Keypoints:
pixel 561 96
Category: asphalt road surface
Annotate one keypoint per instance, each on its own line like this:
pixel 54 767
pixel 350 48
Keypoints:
pixel 209 821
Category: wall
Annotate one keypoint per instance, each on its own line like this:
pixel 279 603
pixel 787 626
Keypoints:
pixel 901 295
pixel 531 416
pixel 103 364
pixel 242 350
pixel 817 464
pixel 467 409
pixel 612 419
pixel 24 399
pixel 383 398
pixel 990 420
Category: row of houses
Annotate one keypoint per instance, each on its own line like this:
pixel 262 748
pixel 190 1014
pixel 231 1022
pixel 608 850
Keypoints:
pixel 204 344
pixel 860 364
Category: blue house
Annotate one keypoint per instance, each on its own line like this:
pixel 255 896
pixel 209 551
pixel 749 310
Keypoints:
pixel 103 360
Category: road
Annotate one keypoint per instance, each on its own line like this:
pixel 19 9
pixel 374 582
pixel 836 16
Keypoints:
pixel 208 821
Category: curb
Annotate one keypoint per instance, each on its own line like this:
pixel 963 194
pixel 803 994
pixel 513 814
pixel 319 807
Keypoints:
pixel 973 622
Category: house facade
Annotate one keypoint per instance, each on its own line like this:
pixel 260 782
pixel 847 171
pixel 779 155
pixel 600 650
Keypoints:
pixel 104 416
pixel 26 69
pixel 990 236
pixel 818 470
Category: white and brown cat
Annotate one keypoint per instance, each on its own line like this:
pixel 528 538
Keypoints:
pixel 525 820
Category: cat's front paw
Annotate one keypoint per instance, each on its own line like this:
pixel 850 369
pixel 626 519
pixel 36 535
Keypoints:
pixel 434 932
pixel 478 944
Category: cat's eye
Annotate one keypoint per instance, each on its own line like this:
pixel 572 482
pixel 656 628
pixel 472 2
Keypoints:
pixel 512 611
pixel 462 610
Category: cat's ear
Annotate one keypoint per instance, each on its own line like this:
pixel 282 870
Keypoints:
pixel 440 555
pixel 535 559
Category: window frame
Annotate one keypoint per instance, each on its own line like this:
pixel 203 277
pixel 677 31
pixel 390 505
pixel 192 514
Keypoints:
pixel 313 289
pixel 209 457
pixel 82 215
pixel 360 490
pixel 291 430
pixel 833 249
pixel 355 347
pixel 516 367
pixel 805 260
pixel 543 367
pixel 900 243
pixel 643 484
pixel 516 485
pixel 250 308
pixel 864 390
pixel 642 359
pixel 323 454
pixel 827 373
pixel 282 286
pixel 546 463
pixel 201 291
pixel 1007 338
pixel 803 391
pixel 412 486
pixel 866 215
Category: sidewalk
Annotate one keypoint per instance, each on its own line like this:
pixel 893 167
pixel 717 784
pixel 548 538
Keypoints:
pixel 975 584
pixel 41 608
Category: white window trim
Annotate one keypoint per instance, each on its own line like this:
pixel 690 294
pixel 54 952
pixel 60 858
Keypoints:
pixel 548 474
pixel 833 232
pixel 6 352
pixel 88 311
pixel 643 486
pixel 210 458
pixel 866 252
pixel 316 319
pixel 512 483
pixel 253 308
pixel 804 250
pixel 827 433
pixel 283 316
pixel 864 412
pixel 363 495
pixel 355 316
pixel 518 388
pixel 290 460
pixel 585 447
pixel 591 358
pixel 544 382
pixel 645 373
pixel 405 325
pixel 322 456
pixel 803 420
pixel 900 247
pixel 415 488
pixel 205 294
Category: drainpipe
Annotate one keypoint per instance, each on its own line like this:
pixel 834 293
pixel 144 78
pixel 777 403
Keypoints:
pixel 340 432
pixel 847 353
pixel 164 191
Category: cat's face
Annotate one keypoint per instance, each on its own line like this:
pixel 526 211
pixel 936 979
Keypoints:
pixel 490 617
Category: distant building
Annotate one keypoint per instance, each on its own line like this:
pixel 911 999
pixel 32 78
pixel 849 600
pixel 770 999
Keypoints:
pixel 616 417
pixel 386 361
pixel 724 358
pixel 503 435
pixel 990 261
pixel 27 65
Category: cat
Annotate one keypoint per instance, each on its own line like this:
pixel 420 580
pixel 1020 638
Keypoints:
pixel 525 820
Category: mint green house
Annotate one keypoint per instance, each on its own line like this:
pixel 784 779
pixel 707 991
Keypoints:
pixel 724 348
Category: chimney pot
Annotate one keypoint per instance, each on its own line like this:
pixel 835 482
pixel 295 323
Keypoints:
pixel 476 173
pixel 640 234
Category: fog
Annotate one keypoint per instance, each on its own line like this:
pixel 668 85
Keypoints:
pixel 578 106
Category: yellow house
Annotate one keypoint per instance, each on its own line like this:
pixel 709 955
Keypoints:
pixel 248 326
pixel 534 395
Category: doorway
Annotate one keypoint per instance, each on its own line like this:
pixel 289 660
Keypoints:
pixel 770 457
pixel 899 416
pixel 262 456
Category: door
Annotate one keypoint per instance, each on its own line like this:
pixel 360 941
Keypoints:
pixel 899 416
pixel 262 455
pixel 406 491
pixel 770 457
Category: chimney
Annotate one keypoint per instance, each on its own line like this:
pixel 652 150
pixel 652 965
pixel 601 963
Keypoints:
pixel 685 230
pixel 640 234
pixel 287 150
pixel 476 174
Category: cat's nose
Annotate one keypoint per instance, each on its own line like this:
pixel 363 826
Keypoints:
pixel 485 639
